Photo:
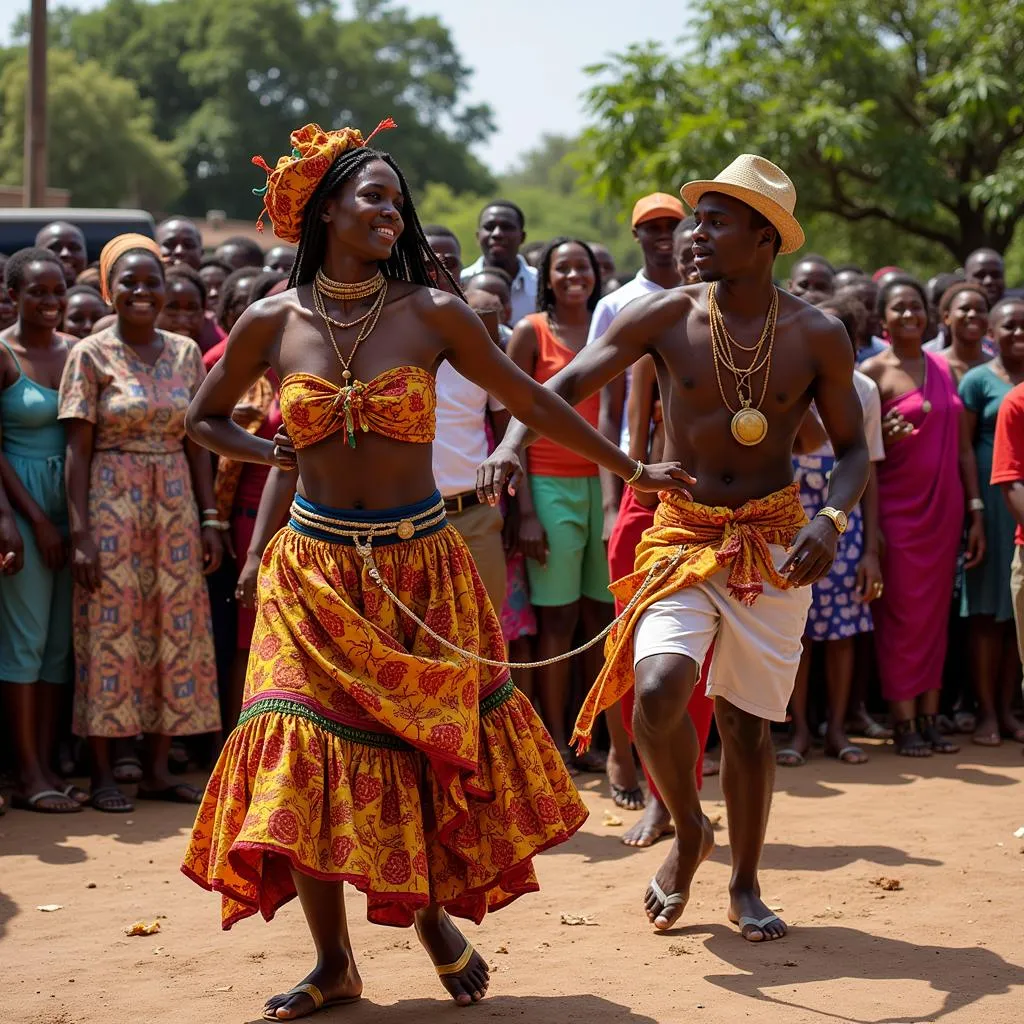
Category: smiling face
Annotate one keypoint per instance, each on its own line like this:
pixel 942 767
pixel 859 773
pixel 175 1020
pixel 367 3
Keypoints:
pixel 656 243
pixel 183 308
pixel 571 275
pixel 967 317
pixel 214 278
pixel 905 315
pixel 137 289
pixel 67 243
pixel 365 216
pixel 1007 326
pixel 81 314
pixel 180 242
pixel 42 296
pixel 726 240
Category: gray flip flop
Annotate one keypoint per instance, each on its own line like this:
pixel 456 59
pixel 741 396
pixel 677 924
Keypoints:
pixel 753 922
pixel 667 900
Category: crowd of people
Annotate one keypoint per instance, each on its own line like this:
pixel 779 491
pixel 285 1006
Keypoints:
pixel 130 556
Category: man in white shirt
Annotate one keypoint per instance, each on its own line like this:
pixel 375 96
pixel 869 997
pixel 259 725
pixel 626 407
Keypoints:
pixel 460 445
pixel 655 219
pixel 501 231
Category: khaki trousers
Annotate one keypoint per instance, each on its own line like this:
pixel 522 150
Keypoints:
pixel 480 527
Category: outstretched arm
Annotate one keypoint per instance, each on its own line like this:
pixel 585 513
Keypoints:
pixel 546 409
pixel 842 415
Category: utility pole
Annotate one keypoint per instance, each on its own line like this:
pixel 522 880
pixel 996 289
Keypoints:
pixel 35 110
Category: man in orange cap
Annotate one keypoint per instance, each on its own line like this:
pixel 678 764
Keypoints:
pixel 738 363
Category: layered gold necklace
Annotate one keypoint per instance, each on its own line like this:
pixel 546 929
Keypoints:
pixel 350 394
pixel 749 425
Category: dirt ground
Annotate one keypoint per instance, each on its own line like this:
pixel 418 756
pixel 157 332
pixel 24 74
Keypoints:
pixel 945 947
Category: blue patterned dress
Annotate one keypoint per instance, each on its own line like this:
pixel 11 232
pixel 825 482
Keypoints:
pixel 835 612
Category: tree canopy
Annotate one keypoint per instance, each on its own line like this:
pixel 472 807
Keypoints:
pixel 226 79
pixel 900 121
pixel 103 148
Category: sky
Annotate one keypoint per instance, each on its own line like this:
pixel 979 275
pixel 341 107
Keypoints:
pixel 528 62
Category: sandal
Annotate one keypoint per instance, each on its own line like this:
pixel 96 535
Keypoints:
pixel 627 799
pixel 111 800
pixel 35 802
pixel 128 770
pixel 929 730
pixel 181 793
pixel 850 754
pixel 909 742
pixel 788 757
pixel 76 793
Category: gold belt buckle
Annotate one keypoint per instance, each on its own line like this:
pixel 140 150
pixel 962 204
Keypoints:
pixel 406 530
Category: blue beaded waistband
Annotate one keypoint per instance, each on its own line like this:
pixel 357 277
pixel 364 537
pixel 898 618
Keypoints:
pixel 385 526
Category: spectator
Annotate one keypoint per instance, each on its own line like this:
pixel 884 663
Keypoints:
pixel 280 258
pixel 446 247
pixel 985 268
pixel 234 297
pixel 682 251
pixel 84 308
pixel 143 647
pixel 609 277
pixel 185 305
pixel 501 232
pixel 214 273
pixel 532 252
pixel 495 281
pixel 180 242
pixel 560 531
pixel 67 243
pixel 90 277
pixel 869 344
pixel 35 603
pixel 847 274
pixel 964 313
pixel 987 596
pixel 812 279
pixel 238 252
pixel 921 487
pixel 839 610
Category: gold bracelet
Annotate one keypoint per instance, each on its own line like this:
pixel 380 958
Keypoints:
pixel 636 473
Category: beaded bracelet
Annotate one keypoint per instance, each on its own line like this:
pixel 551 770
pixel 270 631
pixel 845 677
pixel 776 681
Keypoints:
pixel 636 473
pixel 215 524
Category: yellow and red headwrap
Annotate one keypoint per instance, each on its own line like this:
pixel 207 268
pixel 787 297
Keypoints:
pixel 296 177
pixel 115 249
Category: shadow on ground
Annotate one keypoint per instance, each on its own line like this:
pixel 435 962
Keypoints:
pixel 819 955
pixel 528 1009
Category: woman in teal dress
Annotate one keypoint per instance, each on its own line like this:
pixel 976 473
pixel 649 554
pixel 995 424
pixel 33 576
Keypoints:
pixel 986 595
pixel 35 603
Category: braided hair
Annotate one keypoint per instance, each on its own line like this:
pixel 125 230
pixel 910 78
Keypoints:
pixel 412 259
pixel 545 293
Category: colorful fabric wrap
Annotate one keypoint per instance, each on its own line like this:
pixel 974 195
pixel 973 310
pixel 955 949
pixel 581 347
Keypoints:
pixel 250 413
pixel 115 249
pixel 696 541
pixel 296 176
pixel 366 753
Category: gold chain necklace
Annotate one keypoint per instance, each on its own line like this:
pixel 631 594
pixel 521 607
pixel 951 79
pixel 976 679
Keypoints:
pixel 321 308
pixel 346 292
pixel 350 394
pixel 749 425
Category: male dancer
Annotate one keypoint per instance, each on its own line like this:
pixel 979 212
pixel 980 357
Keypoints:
pixel 738 363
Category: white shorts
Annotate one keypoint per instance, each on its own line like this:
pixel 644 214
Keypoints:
pixel 757 648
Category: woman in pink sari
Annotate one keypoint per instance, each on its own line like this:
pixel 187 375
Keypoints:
pixel 928 472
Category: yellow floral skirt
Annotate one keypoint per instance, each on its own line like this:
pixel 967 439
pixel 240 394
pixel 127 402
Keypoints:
pixel 368 753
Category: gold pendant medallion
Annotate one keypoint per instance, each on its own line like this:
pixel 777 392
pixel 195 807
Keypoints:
pixel 749 426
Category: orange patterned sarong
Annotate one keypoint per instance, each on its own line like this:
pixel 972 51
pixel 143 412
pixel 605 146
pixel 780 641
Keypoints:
pixel 367 753
pixel 700 540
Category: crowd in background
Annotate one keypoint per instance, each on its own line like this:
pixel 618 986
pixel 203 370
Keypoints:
pixel 129 554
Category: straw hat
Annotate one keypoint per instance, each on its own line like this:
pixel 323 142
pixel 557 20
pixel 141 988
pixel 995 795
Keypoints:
pixel 760 184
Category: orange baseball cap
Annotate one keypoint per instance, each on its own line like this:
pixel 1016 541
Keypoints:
pixel 657 204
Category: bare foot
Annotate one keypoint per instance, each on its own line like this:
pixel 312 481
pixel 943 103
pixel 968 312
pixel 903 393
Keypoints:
pixel 756 922
pixel 712 766
pixel 337 983
pixel 447 946
pixel 987 733
pixel 838 745
pixel 655 823
pixel 693 845
pixel 623 781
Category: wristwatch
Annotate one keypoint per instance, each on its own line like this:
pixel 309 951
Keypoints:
pixel 840 520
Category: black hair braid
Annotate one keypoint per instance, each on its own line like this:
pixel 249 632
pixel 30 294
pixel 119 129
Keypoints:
pixel 545 293
pixel 412 259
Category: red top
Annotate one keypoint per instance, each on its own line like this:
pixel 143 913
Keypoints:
pixel 545 458
pixel 1008 454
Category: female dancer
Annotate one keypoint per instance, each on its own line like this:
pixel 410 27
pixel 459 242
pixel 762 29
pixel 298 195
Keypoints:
pixel 928 471
pixel 368 750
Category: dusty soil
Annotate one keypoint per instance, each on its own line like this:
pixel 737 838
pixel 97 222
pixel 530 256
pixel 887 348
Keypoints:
pixel 946 946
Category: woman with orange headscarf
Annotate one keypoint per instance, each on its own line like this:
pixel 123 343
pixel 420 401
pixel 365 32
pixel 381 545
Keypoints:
pixel 142 636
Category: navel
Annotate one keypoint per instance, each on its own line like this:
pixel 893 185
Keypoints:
pixel 688 382
pixel 727 478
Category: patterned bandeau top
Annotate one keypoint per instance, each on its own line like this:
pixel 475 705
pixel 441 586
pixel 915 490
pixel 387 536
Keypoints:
pixel 398 403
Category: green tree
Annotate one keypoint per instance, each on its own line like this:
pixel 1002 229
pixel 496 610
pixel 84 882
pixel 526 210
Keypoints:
pixel 230 78
pixel 102 145
pixel 894 119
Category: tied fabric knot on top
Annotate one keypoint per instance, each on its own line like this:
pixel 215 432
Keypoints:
pixel 295 178
pixel 697 541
